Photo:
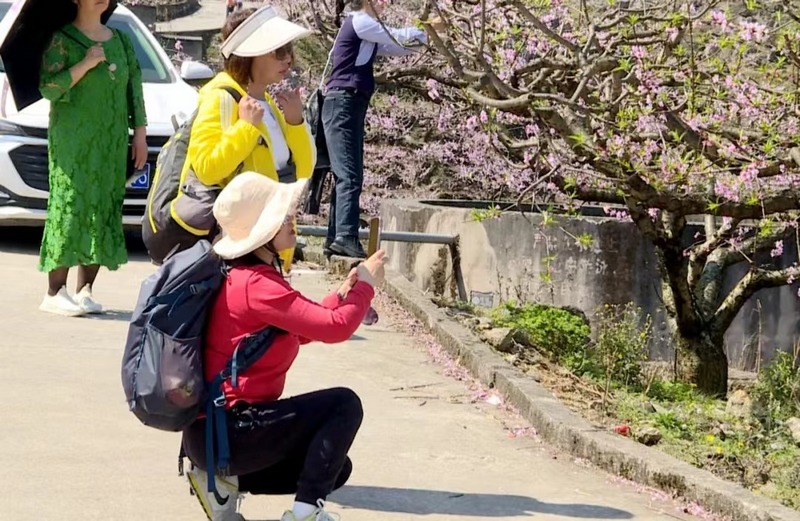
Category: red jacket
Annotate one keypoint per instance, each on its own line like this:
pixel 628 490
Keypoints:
pixel 254 297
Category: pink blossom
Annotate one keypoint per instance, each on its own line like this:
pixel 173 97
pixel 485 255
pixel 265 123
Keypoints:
pixel 753 31
pixel 639 52
pixel 672 34
pixel 433 93
pixel 719 19
pixel 777 251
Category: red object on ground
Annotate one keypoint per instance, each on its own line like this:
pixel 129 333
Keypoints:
pixel 623 429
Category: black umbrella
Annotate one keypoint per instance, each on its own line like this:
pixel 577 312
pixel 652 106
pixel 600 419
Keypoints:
pixel 31 25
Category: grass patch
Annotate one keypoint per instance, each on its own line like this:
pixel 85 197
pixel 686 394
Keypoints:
pixel 600 372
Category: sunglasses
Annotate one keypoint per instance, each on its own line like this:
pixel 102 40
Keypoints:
pixel 285 52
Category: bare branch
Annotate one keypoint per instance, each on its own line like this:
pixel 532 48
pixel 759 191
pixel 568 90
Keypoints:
pixel 756 279
pixel 534 20
pixel 586 193
pixel 395 75
pixel 692 138
pixel 515 104
pixel 699 254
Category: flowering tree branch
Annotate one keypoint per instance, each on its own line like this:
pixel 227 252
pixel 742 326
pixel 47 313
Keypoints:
pixel 666 110
pixel 669 110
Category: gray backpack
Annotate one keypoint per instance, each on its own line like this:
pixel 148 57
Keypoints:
pixel 162 366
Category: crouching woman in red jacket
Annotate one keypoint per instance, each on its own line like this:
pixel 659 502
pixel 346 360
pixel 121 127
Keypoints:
pixel 278 446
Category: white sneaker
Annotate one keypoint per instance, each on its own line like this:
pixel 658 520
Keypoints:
pixel 87 302
pixel 220 505
pixel 61 304
pixel 318 515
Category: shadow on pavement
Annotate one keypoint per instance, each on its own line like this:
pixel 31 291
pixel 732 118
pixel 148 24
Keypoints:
pixel 432 502
pixel 20 240
pixel 111 314
pixel 26 240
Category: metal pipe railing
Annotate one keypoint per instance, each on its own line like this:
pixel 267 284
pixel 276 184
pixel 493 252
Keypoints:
pixel 451 241
pixel 391 236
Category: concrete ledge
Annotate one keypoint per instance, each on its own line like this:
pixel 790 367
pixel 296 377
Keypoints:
pixel 561 427
pixel 151 14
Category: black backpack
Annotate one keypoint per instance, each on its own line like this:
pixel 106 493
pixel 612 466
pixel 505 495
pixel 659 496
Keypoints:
pixel 179 208
pixel 313 115
pixel 162 364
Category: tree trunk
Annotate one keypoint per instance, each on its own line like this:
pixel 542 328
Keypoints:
pixel 702 361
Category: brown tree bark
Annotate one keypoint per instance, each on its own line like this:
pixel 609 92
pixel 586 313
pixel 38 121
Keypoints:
pixel 702 361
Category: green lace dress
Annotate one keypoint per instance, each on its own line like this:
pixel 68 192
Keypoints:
pixel 88 150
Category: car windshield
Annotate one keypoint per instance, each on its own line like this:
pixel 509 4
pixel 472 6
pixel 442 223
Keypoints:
pixel 154 70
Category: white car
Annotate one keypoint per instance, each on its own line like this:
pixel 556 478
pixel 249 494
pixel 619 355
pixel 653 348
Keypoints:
pixel 169 99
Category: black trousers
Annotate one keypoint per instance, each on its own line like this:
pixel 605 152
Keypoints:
pixel 297 445
pixel 343 115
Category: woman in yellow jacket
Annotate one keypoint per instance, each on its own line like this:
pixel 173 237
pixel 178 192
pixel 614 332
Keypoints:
pixel 261 134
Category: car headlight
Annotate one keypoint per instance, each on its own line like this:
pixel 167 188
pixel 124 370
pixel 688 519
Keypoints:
pixel 10 129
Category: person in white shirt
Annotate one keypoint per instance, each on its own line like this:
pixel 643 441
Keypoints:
pixel 361 38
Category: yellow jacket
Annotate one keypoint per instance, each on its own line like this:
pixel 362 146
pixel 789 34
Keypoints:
pixel 221 142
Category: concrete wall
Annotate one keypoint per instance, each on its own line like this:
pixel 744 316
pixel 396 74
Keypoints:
pixel 503 259
pixel 192 46
pixel 150 14
pixel 195 43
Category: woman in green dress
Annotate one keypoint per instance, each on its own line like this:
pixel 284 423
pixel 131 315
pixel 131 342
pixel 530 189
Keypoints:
pixel 91 76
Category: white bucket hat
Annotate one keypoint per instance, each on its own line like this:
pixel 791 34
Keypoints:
pixel 261 33
pixel 251 210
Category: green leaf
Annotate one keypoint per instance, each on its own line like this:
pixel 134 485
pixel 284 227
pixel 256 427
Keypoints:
pixel 625 64
pixel 585 240
pixel 580 138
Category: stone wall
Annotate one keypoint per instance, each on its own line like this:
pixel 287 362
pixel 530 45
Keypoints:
pixel 150 14
pixel 503 259
pixel 194 47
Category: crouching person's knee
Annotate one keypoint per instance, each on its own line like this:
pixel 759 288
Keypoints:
pixel 350 406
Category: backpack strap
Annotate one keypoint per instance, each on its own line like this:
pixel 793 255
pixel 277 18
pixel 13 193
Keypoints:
pixel 237 97
pixel 249 351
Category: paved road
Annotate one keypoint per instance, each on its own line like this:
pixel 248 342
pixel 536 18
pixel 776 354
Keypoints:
pixel 70 450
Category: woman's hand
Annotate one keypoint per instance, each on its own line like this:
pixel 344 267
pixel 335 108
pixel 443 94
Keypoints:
pixel 372 270
pixel 348 284
pixel 251 110
pixel 95 55
pixel 292 106
pixel 139 148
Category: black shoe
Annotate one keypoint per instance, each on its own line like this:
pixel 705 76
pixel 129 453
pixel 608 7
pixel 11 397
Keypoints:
pixel 348 247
